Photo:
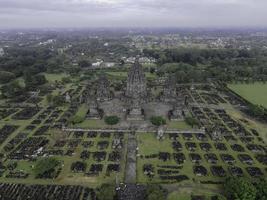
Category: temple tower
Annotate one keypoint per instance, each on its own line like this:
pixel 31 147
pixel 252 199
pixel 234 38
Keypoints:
pixel 136 82
pixel 103 89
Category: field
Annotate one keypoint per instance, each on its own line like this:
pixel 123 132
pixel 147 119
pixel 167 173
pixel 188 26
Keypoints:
pixel 54 77
pixel 150 149
pixel 256 93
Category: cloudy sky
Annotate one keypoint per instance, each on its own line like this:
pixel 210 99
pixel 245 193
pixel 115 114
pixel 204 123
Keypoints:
pixel 132 13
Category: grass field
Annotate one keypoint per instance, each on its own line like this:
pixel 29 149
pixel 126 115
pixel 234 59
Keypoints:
pixel 54 77
pixel 256 93
pixel 148 144
pixel 91 123
pixel 181 125
pixel 178 196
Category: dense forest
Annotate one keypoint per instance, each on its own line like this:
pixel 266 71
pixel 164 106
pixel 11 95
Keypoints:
pixel 219 64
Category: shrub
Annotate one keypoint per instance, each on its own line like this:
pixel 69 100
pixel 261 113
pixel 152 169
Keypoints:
pixel 6 77
pixel 191 121
pixel 157 120
pixel 77 119
pixel 239 189
pixel 45 165
pixel 112 120
pixel 155 192
pixel 106 192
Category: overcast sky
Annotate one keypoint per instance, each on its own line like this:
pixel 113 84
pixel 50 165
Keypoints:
pixel 132 13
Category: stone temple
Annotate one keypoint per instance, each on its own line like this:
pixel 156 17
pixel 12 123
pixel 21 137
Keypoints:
pixel 137 101
pixel 103 89
pixel 136 91
pixel 169 91
pixel 136 82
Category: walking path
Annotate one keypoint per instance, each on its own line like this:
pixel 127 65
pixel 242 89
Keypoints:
pixel 130 190
pixel 130 174
pixel 128 131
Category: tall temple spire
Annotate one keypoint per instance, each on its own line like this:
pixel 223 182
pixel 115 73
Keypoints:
pixel 136 81
pixel 103 88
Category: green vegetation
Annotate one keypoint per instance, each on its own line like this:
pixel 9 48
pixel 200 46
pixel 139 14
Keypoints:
pixel 257 111
pixel 6 77
pixel 33 81
pixel 178 196
pixel 192 121
pixel 157 120
pixel 155 192
pixel 261 187
pixel 52 78
pixel 245 189
pixel 112 120
pixel 45 165
pixel 253 92
pixel 201 64
pixel 12 89
pixel 55 100
pixel 106 192
pixel 79 117
pixel 239 189
pixel 91 123
pixel 182 125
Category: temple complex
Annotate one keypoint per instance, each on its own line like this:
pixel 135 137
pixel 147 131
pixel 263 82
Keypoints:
pixel 135 103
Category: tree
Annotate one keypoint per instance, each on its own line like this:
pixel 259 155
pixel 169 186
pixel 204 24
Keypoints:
pixel 84 63
pixel 32 82
pixel 77 119
pixel 261 187
pixel 192 121
pixel 157 120
pixel 66 80
pixel 256 110
pixel 55 100
pixel 155 192
pixel 106 192
pixel 58 100
pixel 152 70
pixel 6 77
pixel 112 120
pixel 49 98
pixel 12 89
pixel 239 189
pixel 45 165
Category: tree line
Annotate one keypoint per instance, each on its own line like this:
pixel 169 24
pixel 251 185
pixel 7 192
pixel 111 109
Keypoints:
pixel 219 64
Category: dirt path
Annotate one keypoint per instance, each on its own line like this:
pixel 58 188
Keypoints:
pixel 130 174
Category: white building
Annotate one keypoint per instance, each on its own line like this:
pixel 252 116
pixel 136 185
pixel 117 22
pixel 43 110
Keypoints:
pixel 109 64
pixel 97 64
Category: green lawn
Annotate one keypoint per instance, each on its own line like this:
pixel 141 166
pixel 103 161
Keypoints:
pixel 178 196
pixel 82 111
pixel 148 144
pixel 256 93
pixel 54 77
pixel 68 177
pixel 182 125
pixel 92 123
